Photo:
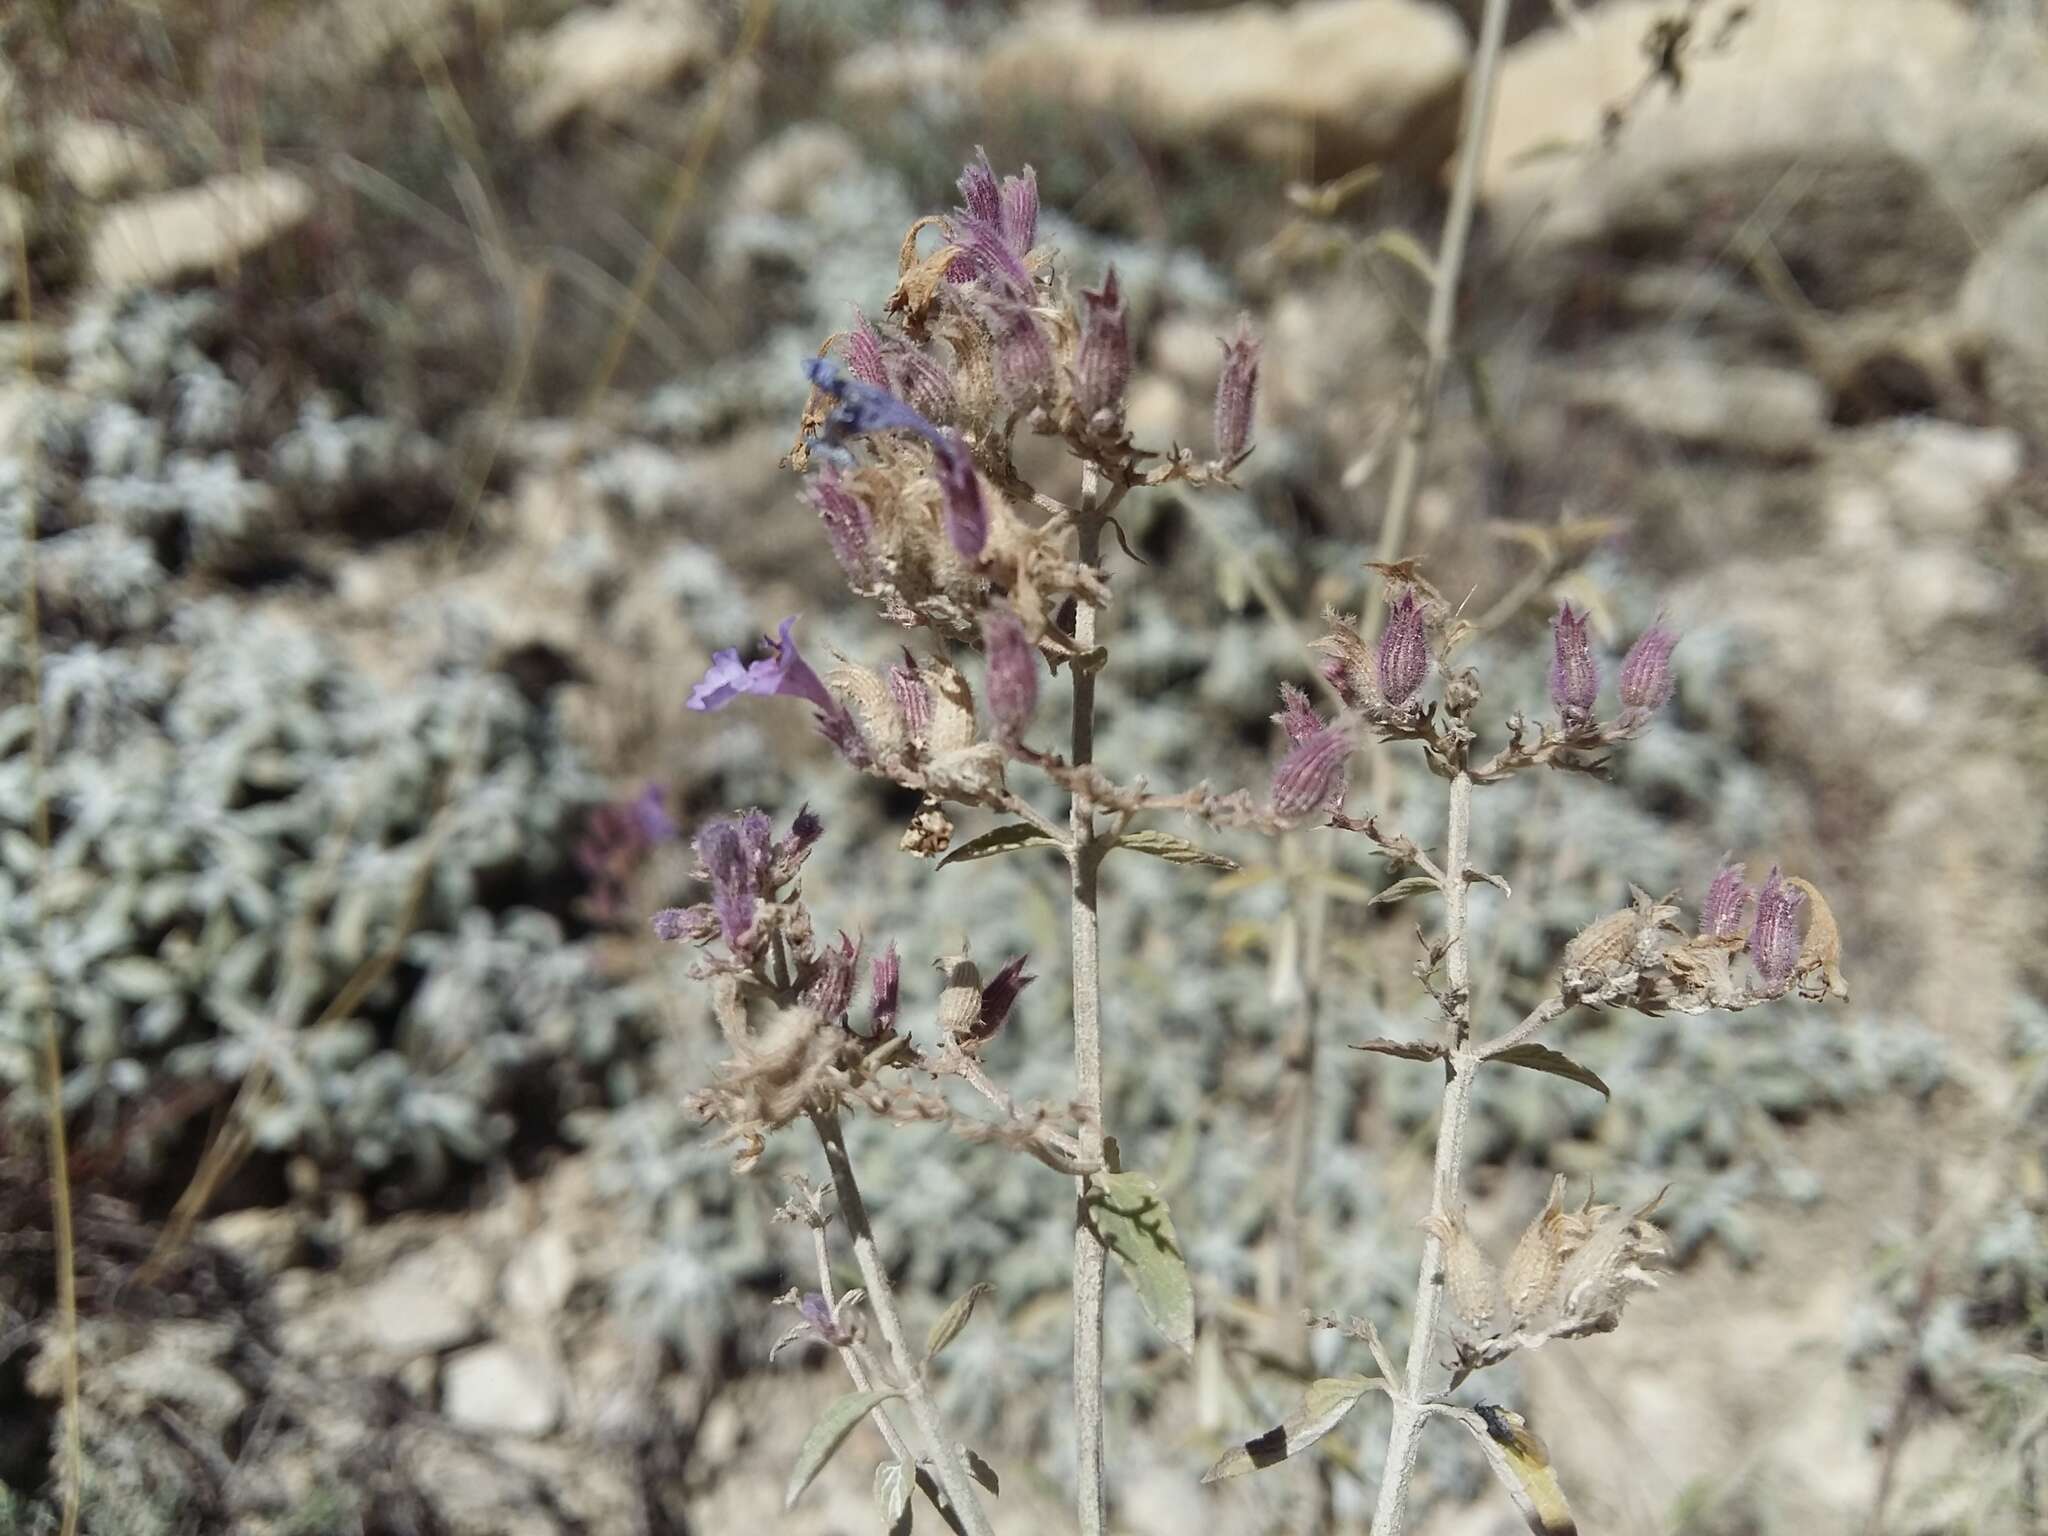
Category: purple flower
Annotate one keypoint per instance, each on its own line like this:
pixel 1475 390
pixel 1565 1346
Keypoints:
pixel 831 989
pixel 1311 776
pixel 737 859
pixel 1403 656
pixel 1102 361
pixel 999 995
pixel 1721 914
pixel 1023 359
pixel 650 815
pixel 804 831
pixel 864 352
pixel 918 379
pixel 785 672
pixel 1774 941
pixel 886 987
pixel 1012 685
pixel 817 1311
pixel 1646 682
pixel 1237 391
pixel 960 494
pixel 1332 670
pixel 1297 718
pixel 848 527
pixel 995 227
pixel 859 407
pixel 912 695
pixel 1574 673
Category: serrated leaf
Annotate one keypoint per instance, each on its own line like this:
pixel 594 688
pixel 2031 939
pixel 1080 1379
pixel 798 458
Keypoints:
pixel 1322 1409
pixel 981 1471
pixel 1407 1050
pixel 825 1437
pixel 1175 850
pixel 1138 1230
pixel 894 1484
pixel 954 1318
pixel 1541 1058
pixel 1004 839
pixel 1403 888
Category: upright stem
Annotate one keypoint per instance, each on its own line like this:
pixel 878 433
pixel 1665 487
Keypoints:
pixel 1443 297
pixel 1390 1517
pixel 1084 865
pixel 849 1357
pixel 960 1492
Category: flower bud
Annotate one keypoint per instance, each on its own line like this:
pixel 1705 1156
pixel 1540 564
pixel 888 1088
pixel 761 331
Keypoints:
pixel 1000 995
pixel 698 924
pixel 966 517
pixel 1237 390
pixel 1402 659
pixel 1296 717
pixel 1012 684
pixel 848 527
pixel 913 696
pixel 817 1312
pixel 1023 358
pixel 1721 914
pixel 916 376
pixel 1102 362
pixel 979 195
pixel 864 352
pixel 1311 777
pixel 886 988
pixel 1774 941
pixel 1018 217
pixel 1574 673
pixel 831 989
pixel 1646 682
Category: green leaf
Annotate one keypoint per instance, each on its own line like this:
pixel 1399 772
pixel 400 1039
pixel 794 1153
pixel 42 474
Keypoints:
pixel 1407 250
pixel 1402 889
pixel 894 1484
pixel 1005 839
pixel 1175 850
pixel 981 1471
pixel 825 1437
pixel 1407 1050
pixel 1137 1228
pixel 1322 1409
pixel 954 1318
pixel 1541 1058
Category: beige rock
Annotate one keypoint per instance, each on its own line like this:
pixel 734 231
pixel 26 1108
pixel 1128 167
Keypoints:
pixel 172 235
pixel 1773 413
pixel 1328 85
pixel 2002 317
pixel 1872 141
pixel 100 159
pixel 780 176
pixel 606 61
pixel 498 1390
pixel 884 76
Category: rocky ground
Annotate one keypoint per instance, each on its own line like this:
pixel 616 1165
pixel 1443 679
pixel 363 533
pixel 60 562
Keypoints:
pixel 395 400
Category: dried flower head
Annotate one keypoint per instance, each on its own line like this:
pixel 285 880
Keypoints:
pixel 1724 914
pixel 1646 682
pixel 1237 391
pixel 1470 1279
pixel 1102 361
pixel 960 1001
pixel 1538 1260
pixel 1012 683
pixel 1402 659
pixel 1820 952
pixel 1775 940
pixel 1574 673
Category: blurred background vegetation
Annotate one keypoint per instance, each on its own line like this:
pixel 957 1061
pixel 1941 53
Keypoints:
pixel 391 402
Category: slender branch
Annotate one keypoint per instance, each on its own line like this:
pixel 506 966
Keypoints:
pixel 1410 1409
pixel 856 1367
pixel 971 1072
pixel 1409 457
pixel 945 1454
pixel 1084 863
pixel 1551 1007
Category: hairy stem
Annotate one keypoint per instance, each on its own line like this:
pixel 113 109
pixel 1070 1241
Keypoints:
pixel 945 1454
pixel 1413 451
pixel 1410 1413
pixel 1084 861
pixel 856 1368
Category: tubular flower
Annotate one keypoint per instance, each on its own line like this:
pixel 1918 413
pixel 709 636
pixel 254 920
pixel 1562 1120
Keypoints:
pixel 1721 914
pixel 1012 686
pixel 737 858
pixel 1102 362
pixel 1296 717
pixel 885 988
pixel 1311 777
pixel 848 527
pixel 1000 995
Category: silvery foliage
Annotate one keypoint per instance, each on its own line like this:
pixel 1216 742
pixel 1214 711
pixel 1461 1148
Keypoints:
pixel 241 821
